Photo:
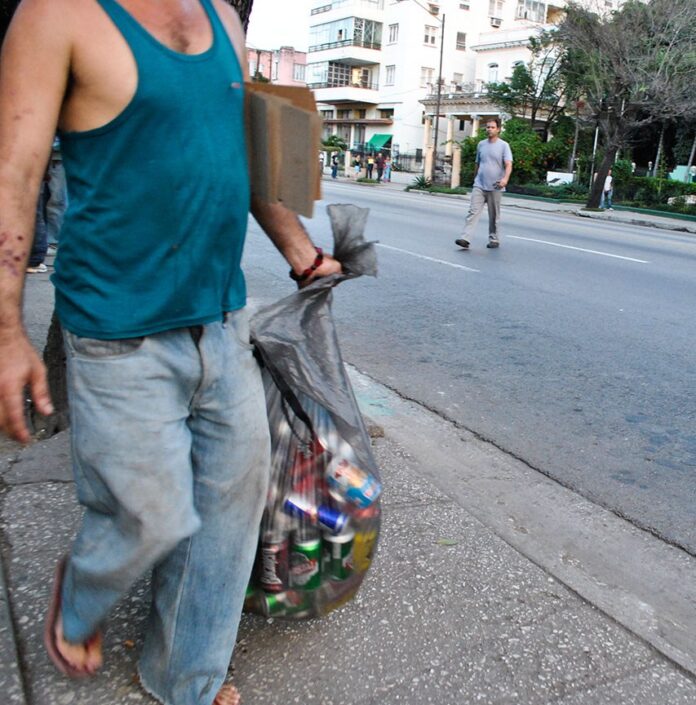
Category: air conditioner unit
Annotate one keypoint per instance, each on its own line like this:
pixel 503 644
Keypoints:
pixel 496 22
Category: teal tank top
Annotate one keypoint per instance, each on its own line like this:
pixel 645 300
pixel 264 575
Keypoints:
pixel 159 197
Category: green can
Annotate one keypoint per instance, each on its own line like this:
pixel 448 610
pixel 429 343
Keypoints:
pixel 305 561
pixel 284 603
pixel 339 554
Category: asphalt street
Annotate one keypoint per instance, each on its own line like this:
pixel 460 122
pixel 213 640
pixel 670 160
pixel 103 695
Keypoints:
pixel 570 347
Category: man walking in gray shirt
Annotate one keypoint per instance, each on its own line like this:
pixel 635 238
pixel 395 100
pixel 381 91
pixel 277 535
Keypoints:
pixel 492 173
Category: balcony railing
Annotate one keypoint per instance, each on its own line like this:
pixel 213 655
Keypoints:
pixel 347 84
pixel 346 43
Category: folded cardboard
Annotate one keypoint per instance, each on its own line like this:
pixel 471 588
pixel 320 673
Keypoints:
pixel 284 136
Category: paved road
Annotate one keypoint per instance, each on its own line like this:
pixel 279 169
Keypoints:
pixel 571 347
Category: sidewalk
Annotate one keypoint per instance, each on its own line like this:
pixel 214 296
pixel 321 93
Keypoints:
pixel 475 596
pixel 628 217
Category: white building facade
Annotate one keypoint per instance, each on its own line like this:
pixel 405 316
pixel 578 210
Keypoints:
pixel 374 65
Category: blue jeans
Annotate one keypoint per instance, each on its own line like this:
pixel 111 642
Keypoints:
pixel 606 195
pixel 171 453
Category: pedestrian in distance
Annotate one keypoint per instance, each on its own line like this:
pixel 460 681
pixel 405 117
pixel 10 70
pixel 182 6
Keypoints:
pixel 334 166
pixel 491 176
pixel 379 165
pixel 607 192
pixel 387 168
pixel 39 246
pixel 169 425
pixel 370 165
pixel 357 166
pixel 57 197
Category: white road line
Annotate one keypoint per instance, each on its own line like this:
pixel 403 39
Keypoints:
pixel 430 259
pixel 580 249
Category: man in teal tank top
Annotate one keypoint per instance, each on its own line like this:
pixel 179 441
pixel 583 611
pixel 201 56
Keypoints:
pixel 169 430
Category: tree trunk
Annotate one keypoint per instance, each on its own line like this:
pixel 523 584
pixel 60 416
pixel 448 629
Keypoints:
pixel 595 196
pixel 54 354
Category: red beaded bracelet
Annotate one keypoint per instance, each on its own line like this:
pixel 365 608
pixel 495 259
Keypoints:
pixel 310 270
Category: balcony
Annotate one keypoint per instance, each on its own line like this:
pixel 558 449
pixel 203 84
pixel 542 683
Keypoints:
pixel 332 94
pixel 348 51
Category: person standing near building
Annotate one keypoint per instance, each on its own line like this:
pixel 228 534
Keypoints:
pixel 491 176
pixel 379 165
pixel 607 191
pixel 334 165
pixel 57 196
pixel 169 425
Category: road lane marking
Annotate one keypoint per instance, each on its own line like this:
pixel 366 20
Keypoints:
pixel 425 257
pixel 580 249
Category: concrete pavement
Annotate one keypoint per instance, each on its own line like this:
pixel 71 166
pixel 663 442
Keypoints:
pixel 485 588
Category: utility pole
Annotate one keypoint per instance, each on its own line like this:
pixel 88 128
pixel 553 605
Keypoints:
pixel 439 94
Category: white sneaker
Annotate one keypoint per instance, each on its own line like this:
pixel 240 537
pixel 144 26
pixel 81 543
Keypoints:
pixel 39 269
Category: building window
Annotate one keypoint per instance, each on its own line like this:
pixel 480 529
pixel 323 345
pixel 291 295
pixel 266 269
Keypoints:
pixel 464 6
pixel 360 113
pixel 495 8
pixel 430 36
pixel 298 72
pixel 343 114
pixel 393 33
pixel 461 41
pixel 492 73
pixel 327 114
pixel 426 78
pixel 390 75
pixel 386 113
pixel 434 9
pixel 530 10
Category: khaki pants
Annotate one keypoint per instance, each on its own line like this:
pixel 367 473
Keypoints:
pixel 478 199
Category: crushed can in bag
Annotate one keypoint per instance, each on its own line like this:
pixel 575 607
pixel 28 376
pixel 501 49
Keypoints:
pixel 273 562
pixel 339 554
pixel 305 559
pixel 328 517
pixel 351 483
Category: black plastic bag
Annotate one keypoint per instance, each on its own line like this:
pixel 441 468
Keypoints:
pixel 321 524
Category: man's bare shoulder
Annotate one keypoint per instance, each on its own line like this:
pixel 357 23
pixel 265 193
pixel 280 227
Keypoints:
pixel 51 22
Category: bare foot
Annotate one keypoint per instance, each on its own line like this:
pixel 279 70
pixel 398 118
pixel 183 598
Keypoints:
pixel 86 657
pixel 228 695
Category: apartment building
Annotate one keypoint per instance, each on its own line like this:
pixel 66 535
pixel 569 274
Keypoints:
pixel 374 65
pixel 285 65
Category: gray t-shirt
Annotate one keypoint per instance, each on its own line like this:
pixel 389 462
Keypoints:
pixel 491 158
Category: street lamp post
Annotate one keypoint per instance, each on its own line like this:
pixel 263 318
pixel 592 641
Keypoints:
pixel 439 93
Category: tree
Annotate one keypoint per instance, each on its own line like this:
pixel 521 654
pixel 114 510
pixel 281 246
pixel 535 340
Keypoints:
pixel 633 68
pixel 538 88
pixel 54 355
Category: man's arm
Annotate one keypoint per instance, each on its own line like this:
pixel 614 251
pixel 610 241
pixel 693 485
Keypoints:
pixel 506 176
pixel 33 75
pixel 288 234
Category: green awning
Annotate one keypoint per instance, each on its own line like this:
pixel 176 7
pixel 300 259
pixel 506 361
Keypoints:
pixel 379 141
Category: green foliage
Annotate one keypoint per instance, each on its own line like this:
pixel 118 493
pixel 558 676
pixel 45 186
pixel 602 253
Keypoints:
pixel 527 150
pixel 365 180
pixel 334 143
pixel 622 171
pixel 420 182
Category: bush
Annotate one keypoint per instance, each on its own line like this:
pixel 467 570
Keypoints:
pixel 365 180
pixel 420 182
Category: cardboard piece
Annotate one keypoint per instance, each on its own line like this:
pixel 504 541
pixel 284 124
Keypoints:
pixel 284 136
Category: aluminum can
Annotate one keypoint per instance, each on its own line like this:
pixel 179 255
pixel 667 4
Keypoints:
pixel 305 560
pixel 351 483
pixel 290 602
pixel 339 554
pixel 273 562
pixel 330 518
